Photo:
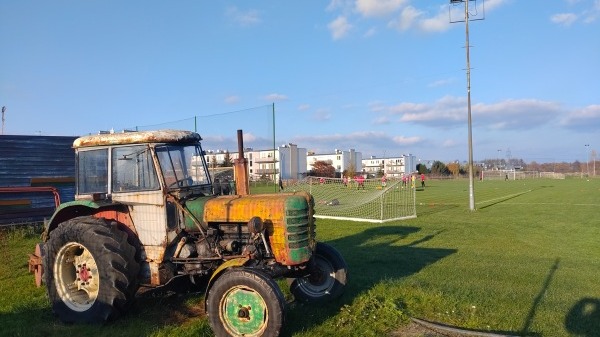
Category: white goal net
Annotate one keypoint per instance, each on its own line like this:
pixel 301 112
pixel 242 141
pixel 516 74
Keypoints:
pixel 370 200
pixel 509 175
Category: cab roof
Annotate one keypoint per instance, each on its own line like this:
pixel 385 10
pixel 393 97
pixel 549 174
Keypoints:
pixel 137 137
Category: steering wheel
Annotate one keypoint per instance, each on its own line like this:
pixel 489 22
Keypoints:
pixel 182 182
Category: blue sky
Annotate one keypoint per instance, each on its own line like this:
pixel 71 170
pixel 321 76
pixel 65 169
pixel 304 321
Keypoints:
pixel 383 77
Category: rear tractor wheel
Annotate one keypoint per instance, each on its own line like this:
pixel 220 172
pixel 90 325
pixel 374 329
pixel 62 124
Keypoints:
pixel 89 270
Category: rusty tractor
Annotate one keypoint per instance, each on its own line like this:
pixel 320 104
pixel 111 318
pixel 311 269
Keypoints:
pixel 145 214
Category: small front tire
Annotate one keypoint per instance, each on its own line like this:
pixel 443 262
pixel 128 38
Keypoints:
pixel 243 302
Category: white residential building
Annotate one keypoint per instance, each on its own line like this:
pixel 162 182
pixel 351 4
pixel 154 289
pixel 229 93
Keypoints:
pixel 393 167
pixel 289 161
pixel 340 160
pixel 286 162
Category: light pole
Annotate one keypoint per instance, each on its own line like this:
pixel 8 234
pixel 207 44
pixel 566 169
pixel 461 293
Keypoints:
pixel 470 140
pixel 587 161
pixel 3 111
pixel 499 159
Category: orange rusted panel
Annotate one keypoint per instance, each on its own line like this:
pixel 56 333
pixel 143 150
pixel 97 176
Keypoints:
pixel 120 217
pixel 271 208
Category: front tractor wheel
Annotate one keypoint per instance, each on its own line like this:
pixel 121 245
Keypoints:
pixel 90 270
pixel 243 302
pixel 327 278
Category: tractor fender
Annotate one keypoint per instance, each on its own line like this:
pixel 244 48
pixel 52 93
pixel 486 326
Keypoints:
pixel 72 209
pixel 237 262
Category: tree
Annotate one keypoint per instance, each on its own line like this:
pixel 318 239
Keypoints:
pixel 322 168
pixel 454 168
pixel 421 168
pixel 350 171
pixel 227 162
pixel 439 168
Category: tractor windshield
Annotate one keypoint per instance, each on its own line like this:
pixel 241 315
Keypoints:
pixel 183 166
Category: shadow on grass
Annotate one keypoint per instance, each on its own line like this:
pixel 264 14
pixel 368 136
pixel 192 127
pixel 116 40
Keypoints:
pixel 376 254
pixel 165 311
pixel 373 255
pixel 536 302
pixel 584 318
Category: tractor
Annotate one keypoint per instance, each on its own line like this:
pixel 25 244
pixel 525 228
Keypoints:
pixel 145 214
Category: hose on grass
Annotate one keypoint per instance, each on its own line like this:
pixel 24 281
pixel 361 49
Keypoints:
pixel 454 330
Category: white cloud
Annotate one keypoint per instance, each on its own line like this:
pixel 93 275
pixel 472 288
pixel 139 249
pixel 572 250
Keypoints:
pixel 243 18
pixel 249 137
pixel 587 118
pixel 440 83
pixel 371 32
pixel 382 120
pixel 339 28
pixel 406 16
pixel 275 97
pixel 448 143
pixel 373 8
pixel 303 107
pixel 564 19
pixel 493 4
pixel 322 115
pixel 438 23
pixel 406 20
pixel 450 111
pixel 232 99
pixel 402 140
pixel 592 14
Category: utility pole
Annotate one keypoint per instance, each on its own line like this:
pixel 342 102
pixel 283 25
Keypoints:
pixel 3 111
pixel 470 141
pixel 587 154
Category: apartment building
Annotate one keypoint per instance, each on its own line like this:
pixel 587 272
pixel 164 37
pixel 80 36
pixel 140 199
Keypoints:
pixel 286 162
pixel 339 159
pixel 393 167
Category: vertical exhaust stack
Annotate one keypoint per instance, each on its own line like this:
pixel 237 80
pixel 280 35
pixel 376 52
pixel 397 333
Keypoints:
pixel 242 183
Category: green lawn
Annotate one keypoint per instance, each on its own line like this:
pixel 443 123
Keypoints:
pixel 525 263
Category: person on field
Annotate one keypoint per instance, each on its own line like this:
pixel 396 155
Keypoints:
pixel 383 181
pixel 361 181
pixel 422 179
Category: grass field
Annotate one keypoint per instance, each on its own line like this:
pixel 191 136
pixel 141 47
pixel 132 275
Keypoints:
pixel 526 263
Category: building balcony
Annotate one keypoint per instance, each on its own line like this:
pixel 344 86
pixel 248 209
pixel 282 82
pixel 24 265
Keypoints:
pixel 266 171
pixel 265 160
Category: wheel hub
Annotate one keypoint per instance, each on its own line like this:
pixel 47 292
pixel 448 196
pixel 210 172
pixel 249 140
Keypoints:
pixel 244 311
pixel 76 276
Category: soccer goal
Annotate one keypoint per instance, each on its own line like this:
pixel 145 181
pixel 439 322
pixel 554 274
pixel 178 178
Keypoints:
pixel 509 175
pixel 370 200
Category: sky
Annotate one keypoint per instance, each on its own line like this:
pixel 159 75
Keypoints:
pixel 383 77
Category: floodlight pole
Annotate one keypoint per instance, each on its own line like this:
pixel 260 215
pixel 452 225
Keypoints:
pixel 471 183
pixel 587 162
pixel 467 47
pixel 3 111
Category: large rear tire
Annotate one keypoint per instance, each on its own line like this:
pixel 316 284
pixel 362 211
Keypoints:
pixel 89 270
pixel 243 302
pixel 326 280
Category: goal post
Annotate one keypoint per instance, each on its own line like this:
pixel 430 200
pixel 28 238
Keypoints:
pixel 370 200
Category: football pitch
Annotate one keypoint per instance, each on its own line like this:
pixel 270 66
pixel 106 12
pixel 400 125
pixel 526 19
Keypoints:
pixel 525 263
